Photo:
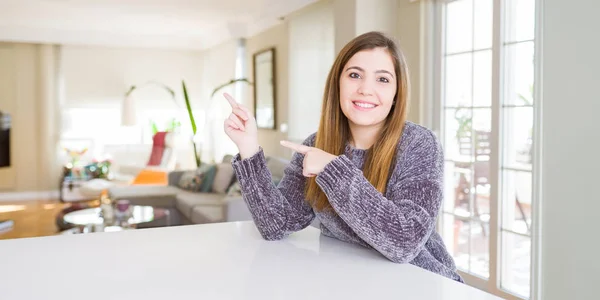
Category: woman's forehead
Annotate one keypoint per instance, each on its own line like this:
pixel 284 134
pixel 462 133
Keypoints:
pixel 371 60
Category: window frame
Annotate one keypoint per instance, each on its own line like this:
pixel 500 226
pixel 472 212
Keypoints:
pixel 432 40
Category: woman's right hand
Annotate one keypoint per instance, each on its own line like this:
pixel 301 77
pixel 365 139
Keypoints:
pixel 241 128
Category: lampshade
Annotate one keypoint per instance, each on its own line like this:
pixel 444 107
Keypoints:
pixel 128 113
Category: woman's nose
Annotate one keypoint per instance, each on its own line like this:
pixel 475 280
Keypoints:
pixel 365 89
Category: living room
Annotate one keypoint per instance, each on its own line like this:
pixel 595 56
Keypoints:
pixel 112 129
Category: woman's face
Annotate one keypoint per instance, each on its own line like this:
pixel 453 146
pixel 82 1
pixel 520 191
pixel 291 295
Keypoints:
pixel 367 87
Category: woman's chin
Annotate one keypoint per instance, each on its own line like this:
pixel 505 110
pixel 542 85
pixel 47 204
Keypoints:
pixel 364 122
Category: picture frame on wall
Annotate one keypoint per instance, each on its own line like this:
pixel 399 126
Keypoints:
pixel 265 102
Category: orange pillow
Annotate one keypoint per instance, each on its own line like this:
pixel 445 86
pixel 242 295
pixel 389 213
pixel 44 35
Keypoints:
pixel 153 177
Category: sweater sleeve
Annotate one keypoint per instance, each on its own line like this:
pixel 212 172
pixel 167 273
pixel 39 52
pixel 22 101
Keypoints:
pixel 397 226
pixel 276 211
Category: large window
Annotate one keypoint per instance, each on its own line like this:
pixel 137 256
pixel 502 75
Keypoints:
pixel 485 107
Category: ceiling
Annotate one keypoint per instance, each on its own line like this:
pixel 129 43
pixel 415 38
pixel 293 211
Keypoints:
pixel 181 24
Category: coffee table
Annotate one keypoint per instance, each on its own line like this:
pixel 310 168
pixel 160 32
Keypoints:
pixel 91 220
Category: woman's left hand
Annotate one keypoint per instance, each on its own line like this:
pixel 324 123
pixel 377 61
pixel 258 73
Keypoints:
pixel 315 159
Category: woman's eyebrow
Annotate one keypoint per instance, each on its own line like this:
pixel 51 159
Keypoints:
pixel 376 72
pixel 385 71
pixel 356 68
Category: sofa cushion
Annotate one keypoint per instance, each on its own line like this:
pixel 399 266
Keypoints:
pixel 186 201
pixel 202 214
pixel 227 158
pixel 223 178
pixel 153 195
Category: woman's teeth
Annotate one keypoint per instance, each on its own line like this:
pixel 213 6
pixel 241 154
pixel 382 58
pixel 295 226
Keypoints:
pixel 364 105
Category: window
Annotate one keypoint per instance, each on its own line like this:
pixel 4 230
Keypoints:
pixel 485 112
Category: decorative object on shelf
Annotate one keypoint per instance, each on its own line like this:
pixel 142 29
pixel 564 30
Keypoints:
pixel 106 208
pixel 123 211
pixel 264 92
pixel 79 170
pixel 75 155
pixel 99 169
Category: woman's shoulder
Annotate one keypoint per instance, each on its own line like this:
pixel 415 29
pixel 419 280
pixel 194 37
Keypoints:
pixel 418 138
pixel 310 140
pixel 414 132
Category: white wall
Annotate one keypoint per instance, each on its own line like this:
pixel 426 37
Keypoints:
pixel 100 76
pixel 311 55
pixel 571 144
pixel 408 33
pixel 380 15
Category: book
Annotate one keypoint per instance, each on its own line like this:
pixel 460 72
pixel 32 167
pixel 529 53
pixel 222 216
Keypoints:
pixel 6 225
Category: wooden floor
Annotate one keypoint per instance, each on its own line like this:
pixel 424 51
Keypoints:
pixel 31 218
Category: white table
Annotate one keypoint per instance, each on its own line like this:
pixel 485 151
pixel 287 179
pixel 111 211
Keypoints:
pixel 214 261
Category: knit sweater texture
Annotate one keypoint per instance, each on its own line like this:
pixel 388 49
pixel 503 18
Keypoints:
pixel 399 224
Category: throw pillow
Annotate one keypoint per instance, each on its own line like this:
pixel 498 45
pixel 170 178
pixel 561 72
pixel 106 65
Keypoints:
pixel 210 170
pixel 191 181
pixel 199 180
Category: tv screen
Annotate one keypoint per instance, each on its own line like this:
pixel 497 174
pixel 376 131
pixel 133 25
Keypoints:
pixel 5 124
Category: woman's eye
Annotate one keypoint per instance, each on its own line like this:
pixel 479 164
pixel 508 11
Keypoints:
pixel 354 75
pixel 384 80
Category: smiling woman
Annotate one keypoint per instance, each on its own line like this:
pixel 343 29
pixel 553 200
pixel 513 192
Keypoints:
pixel 368 90
pixel 369 176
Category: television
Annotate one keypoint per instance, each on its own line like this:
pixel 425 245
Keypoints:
pixel 5 125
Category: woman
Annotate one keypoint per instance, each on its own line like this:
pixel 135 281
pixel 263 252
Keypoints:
pixel 368 175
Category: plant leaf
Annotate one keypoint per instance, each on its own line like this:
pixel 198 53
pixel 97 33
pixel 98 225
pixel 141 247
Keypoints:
pixel 228 84
pixel 189 107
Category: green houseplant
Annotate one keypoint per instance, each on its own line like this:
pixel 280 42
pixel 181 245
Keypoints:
pixel 191 115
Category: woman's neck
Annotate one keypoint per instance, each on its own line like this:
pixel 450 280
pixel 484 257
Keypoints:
pixel 363 137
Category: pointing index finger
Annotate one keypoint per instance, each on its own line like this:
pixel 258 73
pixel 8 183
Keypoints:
pixel 231 100
pixel 298 148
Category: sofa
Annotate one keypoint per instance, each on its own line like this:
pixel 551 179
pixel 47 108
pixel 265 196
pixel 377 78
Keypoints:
pixel 222 203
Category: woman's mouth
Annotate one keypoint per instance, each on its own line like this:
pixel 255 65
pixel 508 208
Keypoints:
pixel 363 106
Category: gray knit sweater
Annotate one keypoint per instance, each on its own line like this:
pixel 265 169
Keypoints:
pixel 400 224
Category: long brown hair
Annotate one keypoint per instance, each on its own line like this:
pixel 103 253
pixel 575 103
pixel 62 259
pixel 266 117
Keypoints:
pixel 334 130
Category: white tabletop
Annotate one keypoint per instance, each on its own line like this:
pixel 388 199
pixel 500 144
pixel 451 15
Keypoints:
pixel 214 261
